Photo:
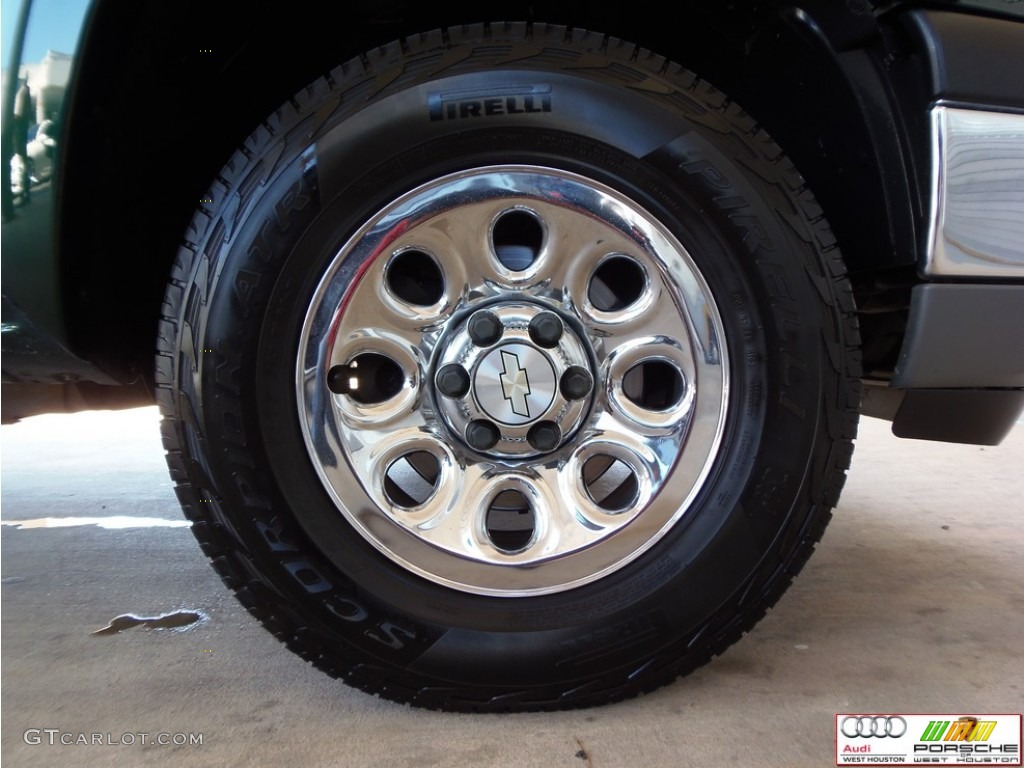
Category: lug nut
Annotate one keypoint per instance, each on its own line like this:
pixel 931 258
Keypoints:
pixel 485 328
pixel 482 434
pixel 546 329
pixel 576 383
pixel 544 436
pixel 452 380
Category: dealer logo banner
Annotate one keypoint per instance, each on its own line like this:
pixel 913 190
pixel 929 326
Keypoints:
pixel 924 739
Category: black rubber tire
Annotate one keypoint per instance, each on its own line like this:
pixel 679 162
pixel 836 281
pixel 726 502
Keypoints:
pixel 353 141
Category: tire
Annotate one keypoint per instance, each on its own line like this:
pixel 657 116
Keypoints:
pixel 510 367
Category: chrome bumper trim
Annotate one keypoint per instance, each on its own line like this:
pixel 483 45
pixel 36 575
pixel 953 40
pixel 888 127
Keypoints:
pixel 976 227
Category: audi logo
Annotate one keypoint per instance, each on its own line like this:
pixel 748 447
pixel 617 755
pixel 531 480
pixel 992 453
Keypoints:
pixel 873 726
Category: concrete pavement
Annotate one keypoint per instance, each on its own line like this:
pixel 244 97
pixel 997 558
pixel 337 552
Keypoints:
pixel 914 602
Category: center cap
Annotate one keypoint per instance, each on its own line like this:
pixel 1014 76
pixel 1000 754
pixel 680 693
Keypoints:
pixel 513 380
pixel 515 384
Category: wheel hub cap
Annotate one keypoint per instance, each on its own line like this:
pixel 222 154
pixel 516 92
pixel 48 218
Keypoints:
pixel 514 381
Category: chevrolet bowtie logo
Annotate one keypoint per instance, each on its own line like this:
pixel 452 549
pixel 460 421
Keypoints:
pixel 515 384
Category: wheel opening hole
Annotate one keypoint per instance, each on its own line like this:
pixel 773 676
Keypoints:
pixel 655 385
pixel 415 278
pixel 617 283
pixel 611 484
pixel 370 378
pixel 517 238
pixel 412 479
pixel 510 521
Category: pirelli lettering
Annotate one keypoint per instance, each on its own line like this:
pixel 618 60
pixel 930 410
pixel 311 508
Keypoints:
pixel 513 100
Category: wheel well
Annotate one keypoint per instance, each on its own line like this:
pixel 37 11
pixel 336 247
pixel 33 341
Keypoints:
pixel 166 91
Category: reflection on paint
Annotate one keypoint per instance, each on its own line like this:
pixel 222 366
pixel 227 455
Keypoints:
pixel 117 521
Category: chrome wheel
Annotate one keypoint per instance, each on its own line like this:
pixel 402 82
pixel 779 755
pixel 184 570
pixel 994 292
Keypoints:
pixel 512 380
